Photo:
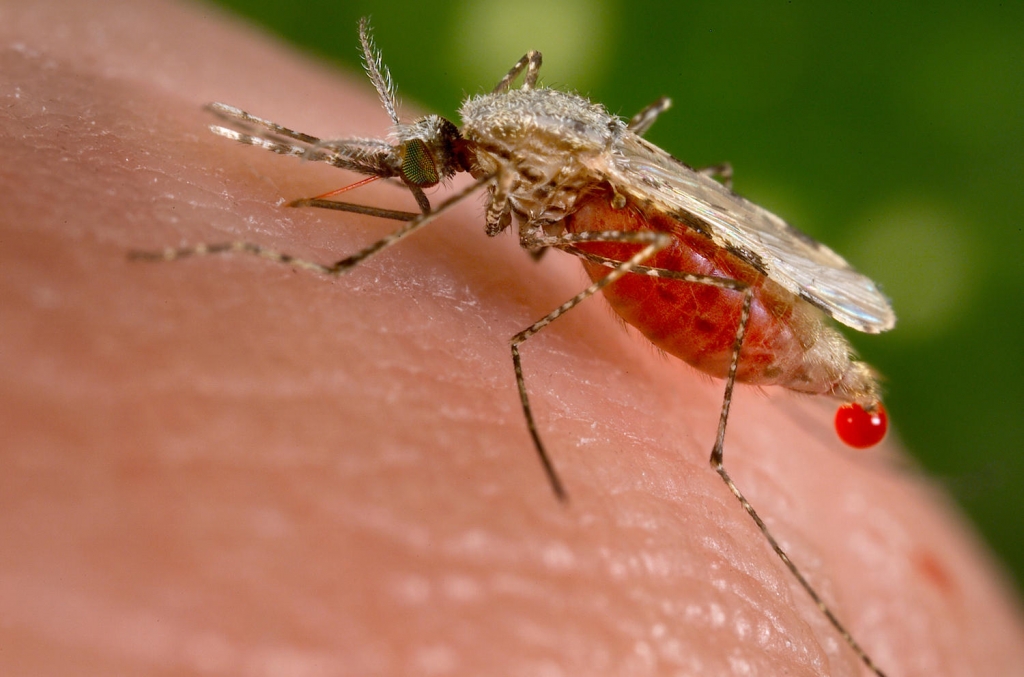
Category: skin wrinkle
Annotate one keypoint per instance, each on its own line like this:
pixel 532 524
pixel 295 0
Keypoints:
pixel 174 500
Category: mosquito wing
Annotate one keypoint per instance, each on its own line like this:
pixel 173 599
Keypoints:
pixel 793 260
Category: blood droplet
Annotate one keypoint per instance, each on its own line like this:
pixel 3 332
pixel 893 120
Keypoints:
pixel 860 428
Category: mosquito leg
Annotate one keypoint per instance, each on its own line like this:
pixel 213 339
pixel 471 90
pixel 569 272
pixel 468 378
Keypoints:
pixel 721 282
pixel 722 172
pixel 531 63
pixel 642 121
pixel 342 266
pixel 654 242
pixel 175 253
pixel 498 216
pixel 717 462
pixel 410 227
pixel 421 197
pixel 532 69
pixel 392 214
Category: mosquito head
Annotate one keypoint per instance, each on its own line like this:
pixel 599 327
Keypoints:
pixel 426 151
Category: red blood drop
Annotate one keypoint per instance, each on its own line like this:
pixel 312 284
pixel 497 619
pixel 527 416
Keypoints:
pixel 859 427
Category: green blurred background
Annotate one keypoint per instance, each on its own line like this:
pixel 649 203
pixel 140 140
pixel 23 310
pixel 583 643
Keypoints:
pixel 891 131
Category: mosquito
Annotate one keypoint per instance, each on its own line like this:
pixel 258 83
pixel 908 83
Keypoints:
pixel 703 273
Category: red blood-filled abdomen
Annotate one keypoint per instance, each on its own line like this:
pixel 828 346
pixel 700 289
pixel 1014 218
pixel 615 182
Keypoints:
pixel 697 322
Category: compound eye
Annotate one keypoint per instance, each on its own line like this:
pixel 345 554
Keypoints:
pixel 418 166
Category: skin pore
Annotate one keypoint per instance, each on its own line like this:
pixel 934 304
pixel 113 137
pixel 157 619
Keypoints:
pixel 223 465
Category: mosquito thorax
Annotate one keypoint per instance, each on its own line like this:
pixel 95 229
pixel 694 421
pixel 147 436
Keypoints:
pixel 425 151
pixel 564 120
pixel 550 141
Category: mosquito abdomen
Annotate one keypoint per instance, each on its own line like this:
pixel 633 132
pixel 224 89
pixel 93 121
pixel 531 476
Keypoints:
pixel 788 342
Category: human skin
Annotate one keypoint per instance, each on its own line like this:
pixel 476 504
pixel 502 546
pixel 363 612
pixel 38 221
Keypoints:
pixel 223 465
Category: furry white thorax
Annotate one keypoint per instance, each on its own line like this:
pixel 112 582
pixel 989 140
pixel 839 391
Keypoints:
pixel 551 144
